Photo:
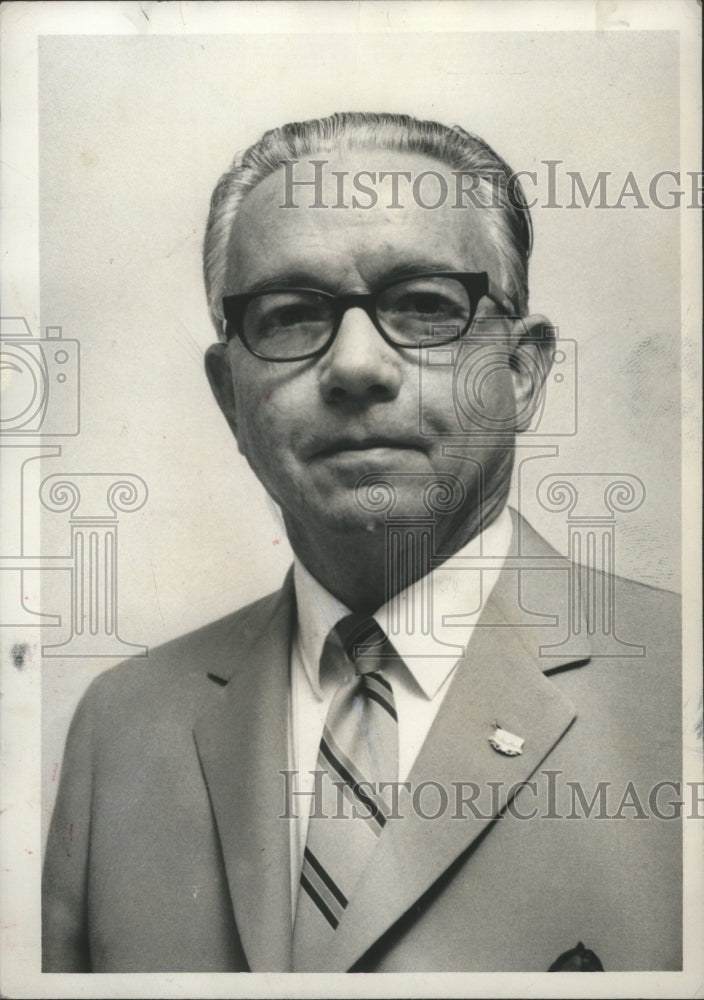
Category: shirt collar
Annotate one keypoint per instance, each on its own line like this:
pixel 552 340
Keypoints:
pixel 318 611
pixel 429 649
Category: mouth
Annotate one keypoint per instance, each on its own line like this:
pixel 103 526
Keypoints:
pixel 365 446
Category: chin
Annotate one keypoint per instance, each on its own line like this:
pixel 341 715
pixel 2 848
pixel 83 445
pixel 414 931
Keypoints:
pixel 351 519
pixel 375 509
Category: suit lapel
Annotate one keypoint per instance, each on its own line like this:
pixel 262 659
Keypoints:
pixel 242 746
pixel 501 679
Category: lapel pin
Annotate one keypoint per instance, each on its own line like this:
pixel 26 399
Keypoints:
pixel 506 743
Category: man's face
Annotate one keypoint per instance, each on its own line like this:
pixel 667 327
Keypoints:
pixel 311 429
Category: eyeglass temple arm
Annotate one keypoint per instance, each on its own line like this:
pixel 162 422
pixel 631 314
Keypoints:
pixel 497 295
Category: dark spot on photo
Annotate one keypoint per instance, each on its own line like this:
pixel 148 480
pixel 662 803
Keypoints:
pixel 19 652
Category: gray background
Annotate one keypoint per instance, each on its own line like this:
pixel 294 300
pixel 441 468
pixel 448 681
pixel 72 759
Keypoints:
pixel 134 133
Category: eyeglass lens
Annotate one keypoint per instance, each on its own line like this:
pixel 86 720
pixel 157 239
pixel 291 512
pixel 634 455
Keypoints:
pixel 295 322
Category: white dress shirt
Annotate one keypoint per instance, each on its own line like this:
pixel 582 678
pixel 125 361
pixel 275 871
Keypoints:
pixel 452 597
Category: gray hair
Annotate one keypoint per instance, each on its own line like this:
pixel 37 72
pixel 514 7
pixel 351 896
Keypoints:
pixel 458 149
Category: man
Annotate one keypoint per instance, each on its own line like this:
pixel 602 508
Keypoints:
pixel 381 767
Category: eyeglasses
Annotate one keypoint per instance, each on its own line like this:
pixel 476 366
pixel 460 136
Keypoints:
pixel 424 310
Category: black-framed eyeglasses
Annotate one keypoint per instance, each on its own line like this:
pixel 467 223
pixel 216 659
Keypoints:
pixel 423 310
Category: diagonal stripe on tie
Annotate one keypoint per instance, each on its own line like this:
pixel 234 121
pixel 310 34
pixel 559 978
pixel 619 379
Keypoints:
pixel 356 632
pixel 315 864
pixel 321 888
pixel 358 749
pixel 380 699
pixel 379 679
pixel 345 770
pixel 317 900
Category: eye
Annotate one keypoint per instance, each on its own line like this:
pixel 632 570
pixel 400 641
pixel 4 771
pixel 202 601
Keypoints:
pixel 431 298
pixel 293 314
pixel 423 303
pixel 286 313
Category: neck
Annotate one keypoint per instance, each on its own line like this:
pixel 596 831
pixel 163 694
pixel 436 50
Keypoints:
pixel 357 567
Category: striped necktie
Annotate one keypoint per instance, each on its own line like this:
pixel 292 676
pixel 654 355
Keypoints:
pixel 358 750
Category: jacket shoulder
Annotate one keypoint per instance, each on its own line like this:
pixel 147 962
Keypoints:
pixel 184 669
pixel 642 610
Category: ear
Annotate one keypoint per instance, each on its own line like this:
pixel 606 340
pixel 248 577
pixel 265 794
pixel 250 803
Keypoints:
pixel 531 361
pixel 219 371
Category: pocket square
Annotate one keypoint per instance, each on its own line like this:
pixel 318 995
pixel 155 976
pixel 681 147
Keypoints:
pixel 577 959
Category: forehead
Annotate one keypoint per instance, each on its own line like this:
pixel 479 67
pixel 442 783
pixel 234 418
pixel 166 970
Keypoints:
pixel 350 229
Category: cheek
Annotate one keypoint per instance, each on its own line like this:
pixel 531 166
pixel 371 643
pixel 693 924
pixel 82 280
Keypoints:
pixel 252 396
pixel 267 415
pixel 483 390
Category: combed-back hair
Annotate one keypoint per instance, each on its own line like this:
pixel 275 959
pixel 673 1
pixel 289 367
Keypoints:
pixel 458 149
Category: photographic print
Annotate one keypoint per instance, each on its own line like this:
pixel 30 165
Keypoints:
pixel 350 438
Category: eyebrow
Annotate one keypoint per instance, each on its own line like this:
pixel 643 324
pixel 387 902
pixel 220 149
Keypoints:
pixel 409 268
pixel 307 279
pixel 289 279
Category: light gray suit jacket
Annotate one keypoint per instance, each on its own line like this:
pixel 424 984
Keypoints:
pixel 167 853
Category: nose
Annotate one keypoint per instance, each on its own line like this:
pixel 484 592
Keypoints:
pixel 360 365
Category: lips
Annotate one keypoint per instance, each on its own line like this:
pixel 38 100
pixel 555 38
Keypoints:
pixel 342 445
